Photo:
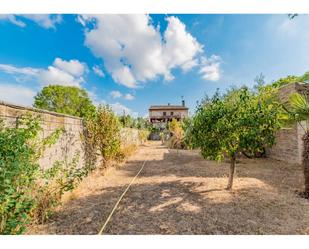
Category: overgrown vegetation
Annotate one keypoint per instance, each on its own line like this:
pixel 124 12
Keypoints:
pixel 176 140
pixel 30 193
pixel 291 79
pixel 240 121
pixel 27 192
pixel 187 126
pixel 143 135
pixel 104 133
pixel 127 121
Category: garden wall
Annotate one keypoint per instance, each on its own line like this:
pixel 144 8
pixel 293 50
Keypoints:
pixel 289 144
pixel 70 143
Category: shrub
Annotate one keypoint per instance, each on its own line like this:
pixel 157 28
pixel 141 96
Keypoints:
pixel 54 182
pixel 143 135
pixel 29 193
pixel 187 126
pixel 18 173
pixel 104 133
pixel 176 140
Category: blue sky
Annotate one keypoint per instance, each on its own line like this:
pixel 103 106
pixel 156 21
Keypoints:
pixel 132 62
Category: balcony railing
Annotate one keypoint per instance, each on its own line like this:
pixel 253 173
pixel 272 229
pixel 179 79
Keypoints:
pixel 165 116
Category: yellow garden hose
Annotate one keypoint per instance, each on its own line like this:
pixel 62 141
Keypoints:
pixel 117 203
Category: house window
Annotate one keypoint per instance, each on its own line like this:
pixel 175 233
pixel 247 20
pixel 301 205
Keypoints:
pixel 172 113
pixel 164 113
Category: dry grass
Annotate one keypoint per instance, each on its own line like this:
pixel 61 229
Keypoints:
pixel 184 194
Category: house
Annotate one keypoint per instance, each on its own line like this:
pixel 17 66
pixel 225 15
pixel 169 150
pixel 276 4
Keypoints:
pixel 162 114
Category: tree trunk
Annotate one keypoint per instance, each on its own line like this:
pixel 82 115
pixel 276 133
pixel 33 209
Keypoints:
pixel 232 170
pixel 305 161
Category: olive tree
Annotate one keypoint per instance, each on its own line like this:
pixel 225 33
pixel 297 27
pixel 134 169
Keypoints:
pixel 239 121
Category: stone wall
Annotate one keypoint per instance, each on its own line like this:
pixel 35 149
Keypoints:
pixel 70 145
pixel 289 144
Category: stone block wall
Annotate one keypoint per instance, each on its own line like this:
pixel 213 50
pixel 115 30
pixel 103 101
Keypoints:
pixel 70 145
pixel 289 144
pixel 288 147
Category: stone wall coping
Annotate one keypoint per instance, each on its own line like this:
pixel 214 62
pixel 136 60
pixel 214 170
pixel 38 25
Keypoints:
pixel 296 85
pixel 28 108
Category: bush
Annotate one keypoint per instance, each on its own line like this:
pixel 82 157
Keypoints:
pixel 176 140
pixel 18 172
pixel 104 133
pixel 29 193
pixel 187 126
pixel 54 182
pixel 143 135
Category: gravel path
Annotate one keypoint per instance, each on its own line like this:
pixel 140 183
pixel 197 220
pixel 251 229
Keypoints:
pixel 181 193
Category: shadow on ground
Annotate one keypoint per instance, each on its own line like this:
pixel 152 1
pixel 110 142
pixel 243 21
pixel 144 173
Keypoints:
pixel 181 193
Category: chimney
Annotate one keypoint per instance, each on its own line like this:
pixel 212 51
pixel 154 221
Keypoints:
pixel 183 103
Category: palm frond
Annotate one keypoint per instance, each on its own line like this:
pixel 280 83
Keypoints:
pixel 299 106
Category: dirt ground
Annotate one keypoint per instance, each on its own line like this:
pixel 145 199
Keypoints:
pixel 184 194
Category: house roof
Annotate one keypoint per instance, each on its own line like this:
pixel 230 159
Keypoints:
pixel 168 107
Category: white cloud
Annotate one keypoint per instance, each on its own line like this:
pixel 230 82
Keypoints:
pixel 56 76
pixel 188 65
pixel 133 49
pixel 116 94
pixel 44 20
pixel 61 72
pixel 129 96
pixel 13 20
pixel 120 109
pixel 210 68
pixel 124 76
pixel 10 69
pixel 117 107
pixel 74 67
pixel 16 94
pixel 98 71
pixel 180 47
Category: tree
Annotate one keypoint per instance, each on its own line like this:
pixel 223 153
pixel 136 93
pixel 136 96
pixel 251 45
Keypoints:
pixel 240 121
pixel 126 121
pixel 259 80
pixel 141 123
pixel 65 99
pixel 298 110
